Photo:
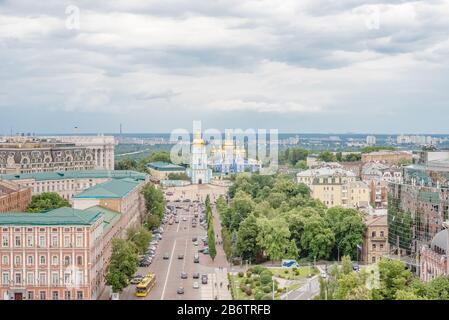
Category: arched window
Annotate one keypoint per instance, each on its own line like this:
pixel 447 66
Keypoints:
pixel 66 260
pixel 79 260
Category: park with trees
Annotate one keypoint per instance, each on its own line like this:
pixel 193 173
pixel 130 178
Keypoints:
pixel 270 218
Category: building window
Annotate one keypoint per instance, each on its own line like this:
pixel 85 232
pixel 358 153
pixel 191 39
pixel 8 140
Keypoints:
pixel 42 260
pixel 54 278
pixel 17 260
pixel 382 234
pixel 42 279
pixel 5 278
pixel 30 295
pixel 54 260
pixel 381 246
pixel 373 234
pixel 18 241
pixel 66 295
pixel 42 295
pixel 54 241
pixel 373 259
pixel 66 260
pixel 42 241
pixel 66 241
pixel 79 295
pixel 30 241
pixel 55 295
pixel 30 278
pixel 79 260
pixel 30 260
pixel 5 241
pixel 5 259
pixel 79 241
pixel 374 246
pixel 18 278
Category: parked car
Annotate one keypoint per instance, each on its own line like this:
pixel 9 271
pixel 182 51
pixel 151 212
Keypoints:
pixel 204 279
pixel 184 219
pixel 355 266
pixel 177 220
pixel 196 258
pixel 183 275
pixel 195 285
pixel 195 243
pixel 196 275
pixel 194 239
pixel 180 290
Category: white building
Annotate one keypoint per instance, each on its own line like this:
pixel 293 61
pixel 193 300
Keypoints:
pixel 371 140
pixel 199 172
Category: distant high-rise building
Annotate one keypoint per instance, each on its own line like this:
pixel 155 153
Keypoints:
pixel 371 140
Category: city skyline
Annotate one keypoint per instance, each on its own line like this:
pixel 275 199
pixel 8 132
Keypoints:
pixel 314 66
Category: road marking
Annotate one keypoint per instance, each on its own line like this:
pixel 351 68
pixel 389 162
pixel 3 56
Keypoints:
pixel 179 224
pixel 168 271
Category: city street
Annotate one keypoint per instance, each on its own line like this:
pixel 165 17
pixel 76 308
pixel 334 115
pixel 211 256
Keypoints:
pixel 177 240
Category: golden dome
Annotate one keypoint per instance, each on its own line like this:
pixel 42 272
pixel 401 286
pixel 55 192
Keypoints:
pixel 198 140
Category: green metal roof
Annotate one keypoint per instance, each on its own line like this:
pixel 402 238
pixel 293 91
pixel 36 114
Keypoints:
pixel 110 216
pixel 61 216
pixel 86 174
pixel 430 197
pixel 165 166
pixel 114 189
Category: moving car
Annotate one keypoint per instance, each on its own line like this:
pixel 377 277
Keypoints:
pixel 184 219
pixel 195 243
pixel 166 256
pixel 196 275
pixel 196 285
pixel 180 290
pixel 177 220
pixel 137 279
pixel 194 239
pixel 180 256
pixel 183 275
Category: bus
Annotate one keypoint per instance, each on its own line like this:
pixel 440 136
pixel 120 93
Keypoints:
pixel 145 286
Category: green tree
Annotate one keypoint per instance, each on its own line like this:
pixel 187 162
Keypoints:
pixel 348 227
pixel 274 239
pixel 47 201
pixel 438 289
pixel 122 265
pixel 126 164
pixel 211 241
pixel 393 277
pixel 327 156
pixel 346 265
pixel 247 247
pixel 301 164
pixel 318 239
pixel 153 221
pixel 141 237
pixel 154 200
pixel 178 176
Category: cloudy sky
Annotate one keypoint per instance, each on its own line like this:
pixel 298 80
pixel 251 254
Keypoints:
pixel 338 66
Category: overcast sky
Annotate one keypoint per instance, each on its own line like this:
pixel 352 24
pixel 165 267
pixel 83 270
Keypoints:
pixel 299 66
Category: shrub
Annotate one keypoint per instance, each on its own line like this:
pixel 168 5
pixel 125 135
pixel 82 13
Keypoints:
pixel 250 270
pixel 286 271
pixel 267 297
pixel 248 291
pixel 242 287
pixel 248 281
pixel 259 269
pixel 240 274
pixel 249 274
pixel 265 279
pixel 258 295
pixel 294 269
pixel 279 290
pixel 268 272
pixel 266 289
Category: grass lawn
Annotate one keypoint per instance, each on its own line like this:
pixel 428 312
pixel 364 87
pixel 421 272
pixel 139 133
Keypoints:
pixel 294 273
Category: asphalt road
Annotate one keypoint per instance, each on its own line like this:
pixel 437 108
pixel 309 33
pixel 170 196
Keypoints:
pixel 176 239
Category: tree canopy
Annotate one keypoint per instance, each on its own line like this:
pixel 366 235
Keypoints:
pixel 47 201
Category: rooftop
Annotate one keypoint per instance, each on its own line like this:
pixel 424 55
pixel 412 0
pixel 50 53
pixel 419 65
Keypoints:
pixel 165 166
pixel 61 216
pixel 325 172
pixel 110 216
pixel 114 189
pixel 381 220
pixel 86 174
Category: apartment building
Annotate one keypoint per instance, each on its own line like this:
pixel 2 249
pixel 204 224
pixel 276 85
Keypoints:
pixel 388 157
pixel 335 187
pixel 68 183
pixel 52 255
pixel 375 239
pixel 47 154
pixel 13 197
